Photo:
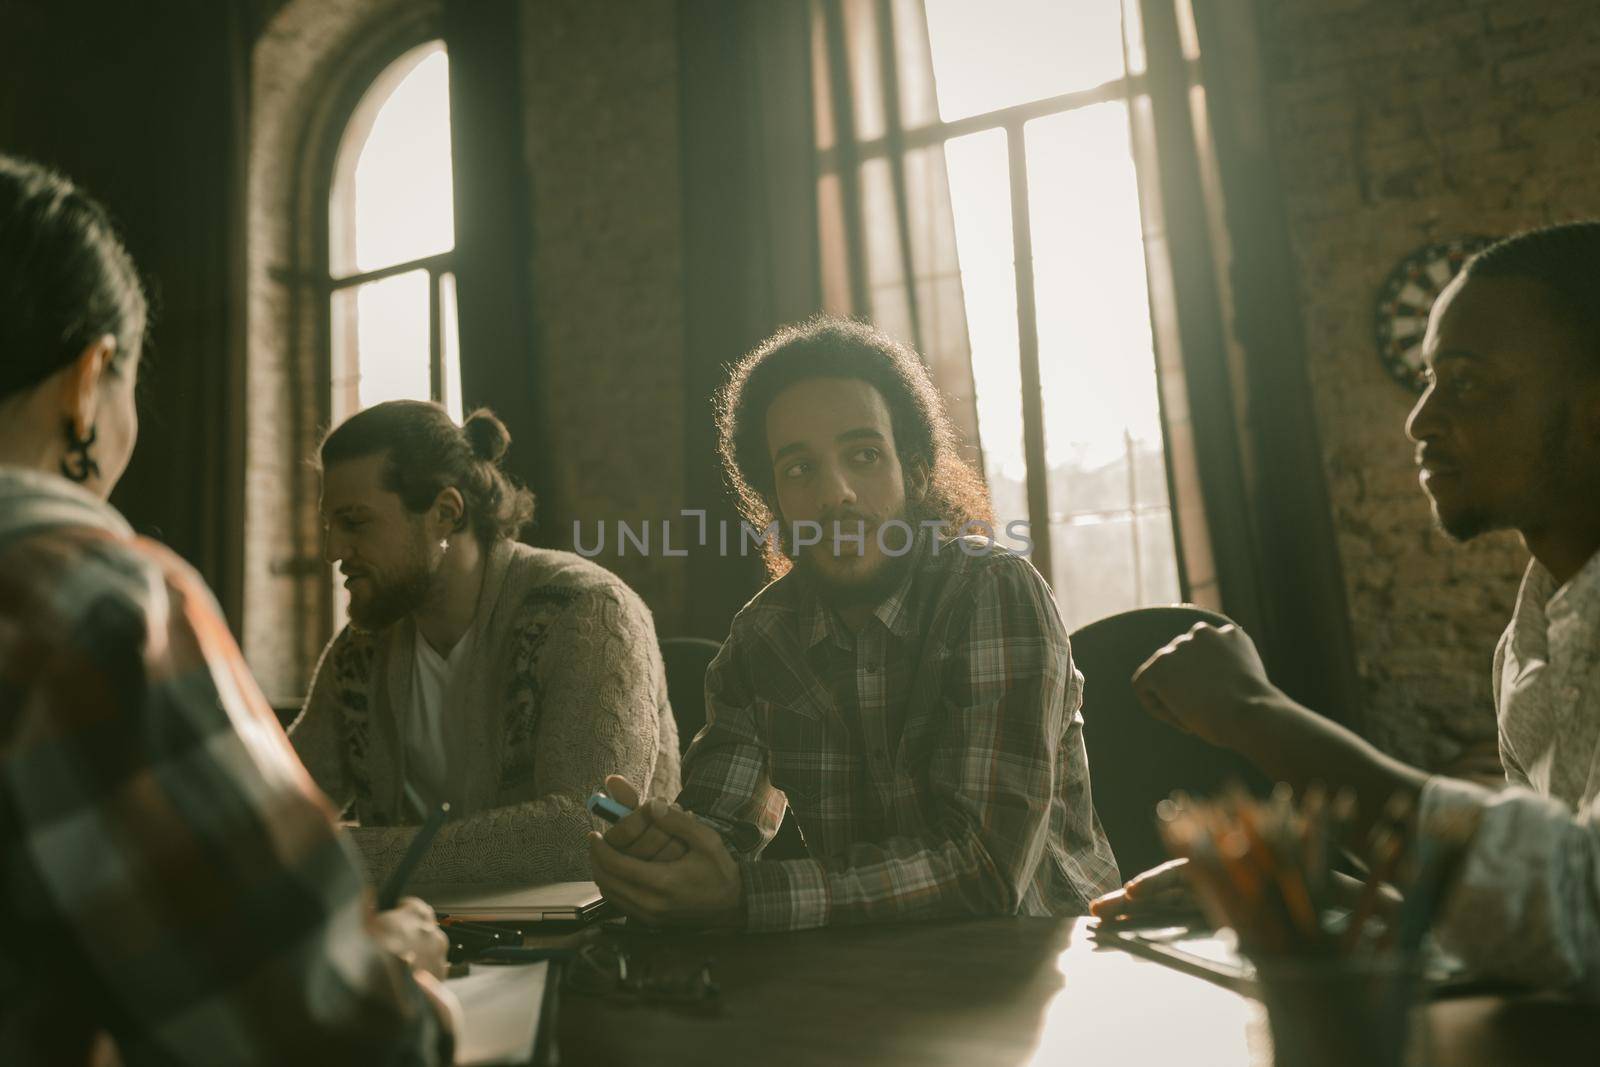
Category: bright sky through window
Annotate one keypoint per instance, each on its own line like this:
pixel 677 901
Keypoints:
pixel 1094 330
pixel 392 204
pixel 1004 52
pixel 980 191
pixel 1110 524
pixel 402 175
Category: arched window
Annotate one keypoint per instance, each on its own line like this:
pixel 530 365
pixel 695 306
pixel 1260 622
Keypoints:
pixel 392 328
pixel 391 240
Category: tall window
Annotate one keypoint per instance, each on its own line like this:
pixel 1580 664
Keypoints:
pixel 391 240
pixel 391 237
pixel 1033 99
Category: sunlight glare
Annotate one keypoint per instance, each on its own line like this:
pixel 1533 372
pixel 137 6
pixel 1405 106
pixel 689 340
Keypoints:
pixel 450 326
pixel 386 322
pixel 1095 360
pixel 982 197
pixel 403 188
pixel 392 202
pixel 1110 521
pixel 1005 52
pixel 1199 1024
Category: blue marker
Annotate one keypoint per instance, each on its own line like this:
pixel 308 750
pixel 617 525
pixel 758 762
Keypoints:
pixel 601 804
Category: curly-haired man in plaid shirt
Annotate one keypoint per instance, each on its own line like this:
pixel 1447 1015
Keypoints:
pixel 909 696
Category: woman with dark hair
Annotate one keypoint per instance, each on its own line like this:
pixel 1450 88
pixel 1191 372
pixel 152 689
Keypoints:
pixel 174 889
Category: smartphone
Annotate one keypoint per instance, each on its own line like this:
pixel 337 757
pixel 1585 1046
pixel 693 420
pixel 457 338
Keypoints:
pixel 600 803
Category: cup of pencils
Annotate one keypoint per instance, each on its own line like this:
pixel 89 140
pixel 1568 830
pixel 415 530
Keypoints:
pixel 1337 959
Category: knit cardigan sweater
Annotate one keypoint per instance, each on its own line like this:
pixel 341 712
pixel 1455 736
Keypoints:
pixel 562 685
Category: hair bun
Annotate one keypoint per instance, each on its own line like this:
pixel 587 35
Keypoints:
pixel 486 434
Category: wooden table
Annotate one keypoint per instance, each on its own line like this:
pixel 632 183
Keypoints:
pixel 989 992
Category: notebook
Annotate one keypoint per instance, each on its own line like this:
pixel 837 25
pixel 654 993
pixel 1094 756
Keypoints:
pixel 556 902
pixel 501 1008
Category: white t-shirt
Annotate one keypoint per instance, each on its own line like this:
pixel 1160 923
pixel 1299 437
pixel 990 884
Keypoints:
pixel 427 758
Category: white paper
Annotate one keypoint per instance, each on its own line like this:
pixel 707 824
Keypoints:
pixel 500 1012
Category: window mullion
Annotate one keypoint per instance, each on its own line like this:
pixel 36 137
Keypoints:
pixel 434 264
pixel 435 338
pixel 1133 516
pixel 829 160
pixel 1028 348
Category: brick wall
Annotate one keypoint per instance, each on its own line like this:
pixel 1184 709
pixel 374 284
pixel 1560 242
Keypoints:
pixel 1398 122
pixel 601 108
pixel 295 67
pixel 602 148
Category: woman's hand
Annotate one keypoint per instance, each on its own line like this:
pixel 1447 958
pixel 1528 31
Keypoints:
pixel 410 931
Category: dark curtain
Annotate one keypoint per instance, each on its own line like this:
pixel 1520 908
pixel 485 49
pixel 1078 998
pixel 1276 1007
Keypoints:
pixel 802 194
pixel 494 286
pixel 750 241
pixel 1250 496
pixel 146 106
pixel 887 229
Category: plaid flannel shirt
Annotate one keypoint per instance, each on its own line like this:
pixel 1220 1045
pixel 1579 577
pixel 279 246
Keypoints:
pixel 172 878
pixel 934 759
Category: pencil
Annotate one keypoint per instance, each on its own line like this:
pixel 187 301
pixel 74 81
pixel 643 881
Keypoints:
pixel 1389 845
pixel 395 884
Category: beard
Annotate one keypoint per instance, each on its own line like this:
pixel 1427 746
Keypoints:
pixel 400 594
pixel 869 587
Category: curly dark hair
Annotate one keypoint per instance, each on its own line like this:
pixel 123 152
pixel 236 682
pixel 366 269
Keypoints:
pixel 428 452
pixel 831 347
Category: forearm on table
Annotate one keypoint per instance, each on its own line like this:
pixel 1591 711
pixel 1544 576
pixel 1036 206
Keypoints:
pixel 543 840
pixel 727 787
pixel 902 878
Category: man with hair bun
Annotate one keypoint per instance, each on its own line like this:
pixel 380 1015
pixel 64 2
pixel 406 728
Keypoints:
pixel 503 679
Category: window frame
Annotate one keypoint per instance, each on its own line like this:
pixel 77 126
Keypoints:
pixel 376 54
pixel 437 265
pixel 1013 121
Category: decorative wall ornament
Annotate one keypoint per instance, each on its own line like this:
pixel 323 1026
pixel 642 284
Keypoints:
pixel 1400 317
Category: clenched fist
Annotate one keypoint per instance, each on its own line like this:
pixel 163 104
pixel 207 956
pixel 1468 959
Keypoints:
pixel 1209 682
